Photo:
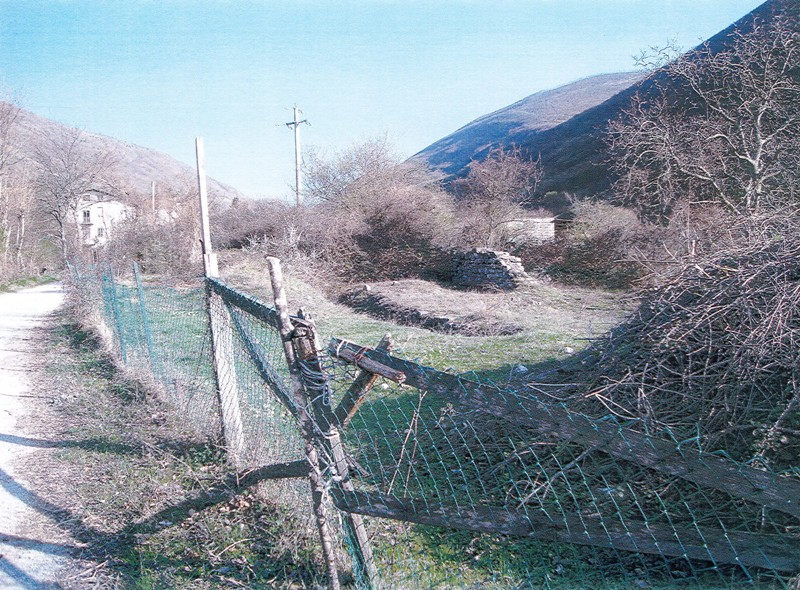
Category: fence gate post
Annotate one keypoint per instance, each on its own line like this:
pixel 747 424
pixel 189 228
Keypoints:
pixel 317 387
pixel 305 420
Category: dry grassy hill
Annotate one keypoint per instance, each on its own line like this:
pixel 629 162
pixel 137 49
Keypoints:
pixel 135 165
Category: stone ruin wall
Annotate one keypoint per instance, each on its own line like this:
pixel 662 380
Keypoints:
pixel 482 268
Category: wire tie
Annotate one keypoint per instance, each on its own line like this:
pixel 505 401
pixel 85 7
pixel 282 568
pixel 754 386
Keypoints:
pixel 360 354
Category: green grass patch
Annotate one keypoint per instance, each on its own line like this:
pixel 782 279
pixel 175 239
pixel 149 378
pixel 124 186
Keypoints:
pixel 26 282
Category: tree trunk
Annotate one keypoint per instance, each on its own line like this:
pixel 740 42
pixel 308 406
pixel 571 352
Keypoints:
pixel 62 235
pixel 20 239
pixel 5 230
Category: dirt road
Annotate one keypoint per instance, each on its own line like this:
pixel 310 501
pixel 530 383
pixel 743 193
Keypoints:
pixel 29 557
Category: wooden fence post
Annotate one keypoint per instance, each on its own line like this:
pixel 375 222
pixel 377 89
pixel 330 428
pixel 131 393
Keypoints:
pixel 219 320
pixel 306 423
pixel 315 382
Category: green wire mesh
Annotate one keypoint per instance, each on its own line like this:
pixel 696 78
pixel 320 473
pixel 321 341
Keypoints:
pixel 565 500
pixel 464 484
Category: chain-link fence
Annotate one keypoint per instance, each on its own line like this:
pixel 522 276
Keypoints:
pixel 440 481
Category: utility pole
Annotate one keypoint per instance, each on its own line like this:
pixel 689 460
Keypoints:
pixel 298 181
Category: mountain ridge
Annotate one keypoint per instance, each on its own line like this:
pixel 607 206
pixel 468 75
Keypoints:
pixel 137 165
pixel 572 150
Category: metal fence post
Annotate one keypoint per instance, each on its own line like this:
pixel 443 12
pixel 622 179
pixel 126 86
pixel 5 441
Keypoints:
pixel 145 324
pixel 110 295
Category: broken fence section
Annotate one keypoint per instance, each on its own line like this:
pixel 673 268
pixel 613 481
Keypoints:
pixel 546 496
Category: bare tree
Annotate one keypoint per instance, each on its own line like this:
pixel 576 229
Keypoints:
pixel 68 169
pixel 9 147
pixel 17 203
pixel 352 178
pixel 12 193
pixel 386 216
pixel 495 192
pixel 716 126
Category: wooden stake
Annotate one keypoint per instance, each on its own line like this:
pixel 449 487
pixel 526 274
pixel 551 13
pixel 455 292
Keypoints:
pixel 209 258
pixel 306 424
pixel 326 421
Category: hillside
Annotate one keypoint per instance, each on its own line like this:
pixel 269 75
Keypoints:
pixel 566 125
pixel 135 165
pixel 524 122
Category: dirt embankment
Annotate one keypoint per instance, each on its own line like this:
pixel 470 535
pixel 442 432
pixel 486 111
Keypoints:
pixel 429 306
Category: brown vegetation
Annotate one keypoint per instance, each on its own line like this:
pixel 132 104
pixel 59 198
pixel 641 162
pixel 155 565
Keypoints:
pixel 712 354
pixel 716 126
pixel 495 193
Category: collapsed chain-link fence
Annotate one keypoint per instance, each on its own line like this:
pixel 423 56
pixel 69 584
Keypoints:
pixel 442 481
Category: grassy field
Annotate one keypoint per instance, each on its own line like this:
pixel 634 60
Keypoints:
pixel 404 442
pixel 555 322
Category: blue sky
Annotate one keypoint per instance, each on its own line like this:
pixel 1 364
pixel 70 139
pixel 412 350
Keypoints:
pixel 161 72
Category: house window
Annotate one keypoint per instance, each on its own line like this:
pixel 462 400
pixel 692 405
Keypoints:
pixel 101 232
pixel 86 218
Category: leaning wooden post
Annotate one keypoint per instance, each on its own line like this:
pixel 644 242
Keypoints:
pixel 311 354
pixel 221 331
pixel 306 423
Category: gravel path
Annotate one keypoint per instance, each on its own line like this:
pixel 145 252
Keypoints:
pixel 29 559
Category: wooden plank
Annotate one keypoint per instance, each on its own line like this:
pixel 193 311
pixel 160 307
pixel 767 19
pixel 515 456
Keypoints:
pixel 717 546
pixel 359 358
pixel 356 394
pixel 555 421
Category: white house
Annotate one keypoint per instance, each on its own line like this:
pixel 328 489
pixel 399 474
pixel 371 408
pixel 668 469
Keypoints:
pixel 536 230
pixel 96 219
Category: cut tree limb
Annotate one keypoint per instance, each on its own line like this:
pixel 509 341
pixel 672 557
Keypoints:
pixel 556 421
pixel 714 545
